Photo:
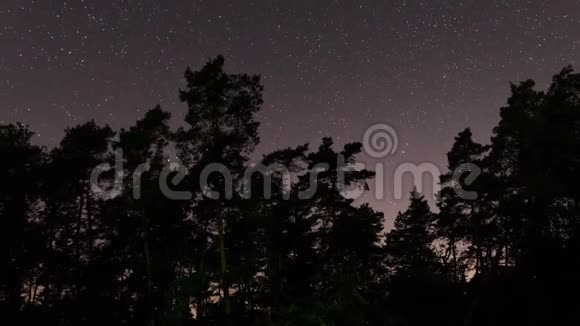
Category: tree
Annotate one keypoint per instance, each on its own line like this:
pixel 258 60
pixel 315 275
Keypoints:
pixel 463 224
pixel 409 246
pixel 73 284
pixel 155 234
pixel 420 292
pixel 222 130
pixel 22 237
pixel 347 237
pixel 533 155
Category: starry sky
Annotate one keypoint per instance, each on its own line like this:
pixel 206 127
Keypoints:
pixel 330 67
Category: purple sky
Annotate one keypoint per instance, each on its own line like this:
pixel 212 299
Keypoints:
pixel 427 68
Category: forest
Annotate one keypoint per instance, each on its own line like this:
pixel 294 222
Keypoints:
pixel 70 256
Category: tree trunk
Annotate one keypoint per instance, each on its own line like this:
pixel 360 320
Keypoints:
pixel 224 268
pixel 146 249
pixel 77 249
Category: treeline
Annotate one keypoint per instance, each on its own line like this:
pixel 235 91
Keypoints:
pixel 69 256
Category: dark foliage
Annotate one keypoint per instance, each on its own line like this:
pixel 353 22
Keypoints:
pixel 71 256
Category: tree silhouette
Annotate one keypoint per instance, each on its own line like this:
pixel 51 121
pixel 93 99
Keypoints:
pixel 22 234
pixel 222 130
pixel 285 244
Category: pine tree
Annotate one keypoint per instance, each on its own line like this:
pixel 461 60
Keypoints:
pixel 73 211
pixel 222 130
pixel 21 235
pixel 461 223
pixel 409 246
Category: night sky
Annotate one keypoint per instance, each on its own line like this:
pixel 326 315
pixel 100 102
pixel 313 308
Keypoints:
pixel 428 68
